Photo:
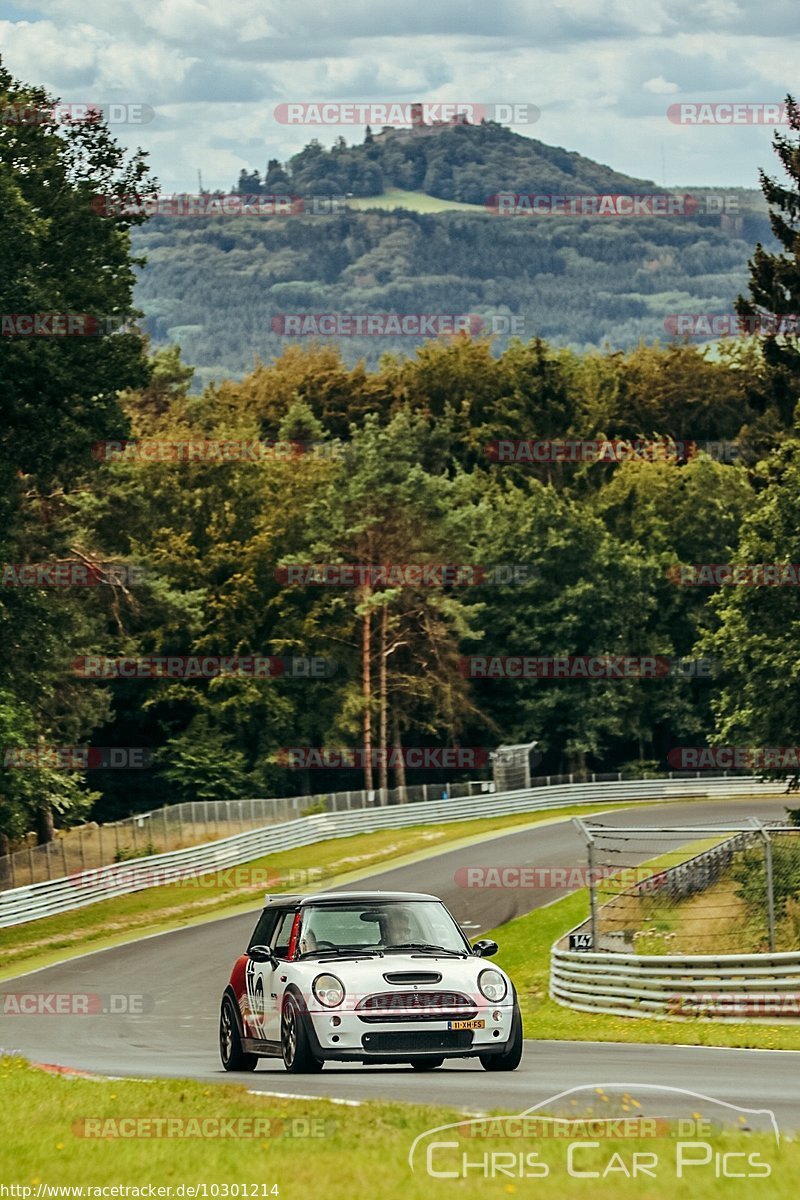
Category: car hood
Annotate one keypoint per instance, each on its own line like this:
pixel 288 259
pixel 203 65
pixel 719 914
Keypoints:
pixel 367 975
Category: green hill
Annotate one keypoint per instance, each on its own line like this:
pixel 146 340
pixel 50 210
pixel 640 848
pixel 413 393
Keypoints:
pixel 411 234
pixel 467 163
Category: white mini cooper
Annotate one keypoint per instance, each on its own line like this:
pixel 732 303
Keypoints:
pixel 372 977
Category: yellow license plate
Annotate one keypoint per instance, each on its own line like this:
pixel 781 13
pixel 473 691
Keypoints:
pixel 466 1024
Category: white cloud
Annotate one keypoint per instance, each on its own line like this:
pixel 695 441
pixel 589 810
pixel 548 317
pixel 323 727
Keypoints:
pixel 602 71
pixel 660 86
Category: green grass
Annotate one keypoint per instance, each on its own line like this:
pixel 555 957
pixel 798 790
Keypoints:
pixel 110 922
pixel 416 201
pixel 358 1152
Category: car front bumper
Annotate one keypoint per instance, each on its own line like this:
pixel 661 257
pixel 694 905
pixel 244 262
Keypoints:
pixel 344 1036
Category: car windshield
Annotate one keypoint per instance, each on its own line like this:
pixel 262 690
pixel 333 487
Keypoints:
pixel 423 926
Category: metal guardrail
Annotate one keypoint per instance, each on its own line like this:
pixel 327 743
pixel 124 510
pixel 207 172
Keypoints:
pixel 50 897
pixel 757 987
pixel 196 822
pixel 725 987
pixel 193 823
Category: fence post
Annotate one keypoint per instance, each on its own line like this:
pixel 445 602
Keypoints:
pixel 769 881
pixel 166 830
pixel 30 860
pixel 64 852
pixel 592 895
pixel 770 891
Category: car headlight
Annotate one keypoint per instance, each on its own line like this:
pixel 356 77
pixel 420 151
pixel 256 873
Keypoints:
pixel 328 990
pixel 492 984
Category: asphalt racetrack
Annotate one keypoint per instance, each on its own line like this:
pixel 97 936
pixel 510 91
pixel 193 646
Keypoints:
pixel 184 972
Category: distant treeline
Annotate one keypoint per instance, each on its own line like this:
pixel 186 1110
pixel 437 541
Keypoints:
pixel 219 286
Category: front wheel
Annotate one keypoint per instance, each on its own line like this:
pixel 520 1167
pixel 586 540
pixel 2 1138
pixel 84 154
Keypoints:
pixel 230 1044
pixel 426 1064
pixel 510 1059
pixel 297 1056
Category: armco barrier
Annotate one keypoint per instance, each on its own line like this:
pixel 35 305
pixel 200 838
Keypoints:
pixel 760 987
pixel 19 905
pixel 726 987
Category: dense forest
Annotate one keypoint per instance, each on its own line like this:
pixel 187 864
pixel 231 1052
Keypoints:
pixel 220 286
pixel 395 464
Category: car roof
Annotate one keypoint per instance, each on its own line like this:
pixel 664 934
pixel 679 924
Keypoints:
pixel 340 897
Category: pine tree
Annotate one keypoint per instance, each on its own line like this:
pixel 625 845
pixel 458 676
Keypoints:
pixel 775 278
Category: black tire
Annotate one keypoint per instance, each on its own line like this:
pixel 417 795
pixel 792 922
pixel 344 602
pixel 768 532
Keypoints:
pixel 426 1064
pixel 510 1059
pixel 231 1053
pixel 295 1047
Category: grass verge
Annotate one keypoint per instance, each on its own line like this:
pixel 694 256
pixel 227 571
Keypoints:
pixel 192 901
pixel 355 1152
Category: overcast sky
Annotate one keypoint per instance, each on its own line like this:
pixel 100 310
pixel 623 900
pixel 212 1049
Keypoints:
pixel 602 72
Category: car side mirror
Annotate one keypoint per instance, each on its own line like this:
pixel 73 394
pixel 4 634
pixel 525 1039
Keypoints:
pixel 262 954
pixel 485 948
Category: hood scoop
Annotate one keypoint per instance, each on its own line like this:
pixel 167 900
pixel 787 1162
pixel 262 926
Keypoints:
pixel 413 977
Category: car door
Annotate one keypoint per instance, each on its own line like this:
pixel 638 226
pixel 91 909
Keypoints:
pixel 262 979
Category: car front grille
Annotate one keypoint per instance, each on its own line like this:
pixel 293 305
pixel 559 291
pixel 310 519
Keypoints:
pixel 417 1042
pixel 416 1006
